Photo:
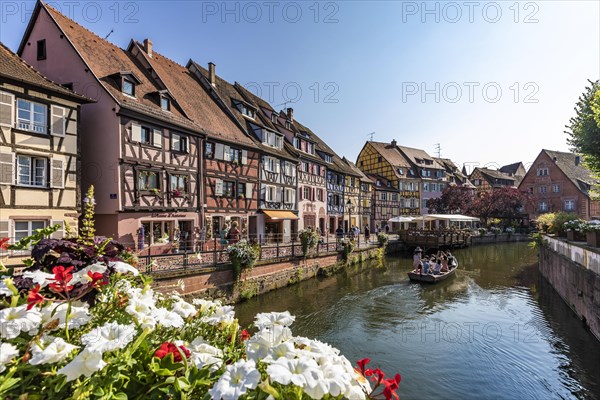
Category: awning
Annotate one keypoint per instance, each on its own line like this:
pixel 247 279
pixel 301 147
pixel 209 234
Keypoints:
pixel 401 219
pixel 449 217
pixel 279 215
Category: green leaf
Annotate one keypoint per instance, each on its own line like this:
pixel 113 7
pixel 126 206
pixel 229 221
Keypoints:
pixel 120 396
pixel 182 384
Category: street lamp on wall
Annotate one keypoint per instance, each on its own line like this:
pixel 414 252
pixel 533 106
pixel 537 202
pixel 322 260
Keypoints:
pixel 349 208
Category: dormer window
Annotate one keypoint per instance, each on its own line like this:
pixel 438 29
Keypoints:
pixel 246 109
pixel 328 158
pixel 288 125
pixel 400 171
pixel 128 87
pixel 165 103
pixel 274 117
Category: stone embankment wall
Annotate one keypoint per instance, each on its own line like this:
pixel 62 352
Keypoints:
pixel 501 238
pixel 574 272
pixel 218 282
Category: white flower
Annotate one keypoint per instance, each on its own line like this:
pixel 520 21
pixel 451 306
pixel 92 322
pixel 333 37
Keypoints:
pixel 54 350
pixel 85 363
pixel 147 322
pixel 285 349
pixel 123 268
pixel 146 295
pixel 111 336
pixel 7 353
pixel 206 306
pixel 138 308
pixel 14 320
pixel 78 317
pixel 302 372
pixel 4 289
pixel 82 277
pixel 257 347
pixel 220 314
pixel 267 320
pixel 276 334
pixel 236 380
pixel 205 355
pixel 39 277
pixel 184 308
pixel 167 318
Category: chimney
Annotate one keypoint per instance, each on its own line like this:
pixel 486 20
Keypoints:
pixel 211 73
pixel 148 47
pixel 290 113
pixel 577 160
pixel 394 143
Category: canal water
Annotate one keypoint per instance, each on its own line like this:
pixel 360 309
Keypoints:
pixel 496 330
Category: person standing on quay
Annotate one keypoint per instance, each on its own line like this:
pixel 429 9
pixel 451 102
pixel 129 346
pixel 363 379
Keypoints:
pixel 367 234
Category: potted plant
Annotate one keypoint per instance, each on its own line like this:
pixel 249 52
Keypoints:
pixel 575 229
pixel 176 193
pixel 243 256
pixel 593 235
pixel 155 191
pixel 308 240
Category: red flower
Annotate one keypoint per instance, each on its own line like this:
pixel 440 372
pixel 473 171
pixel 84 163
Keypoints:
pixel 391 385
pixel 362 363
pixel 377 374
pixel 34 297
pixel 97 279
pixel 4 243
pixel 62 276
pixel 244 335
pixel 170 348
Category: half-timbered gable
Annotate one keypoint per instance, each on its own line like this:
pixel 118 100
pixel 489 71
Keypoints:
pixel 387 203
pixel 39 155
pixel 358 189
pixel 139 147
pixel 486 179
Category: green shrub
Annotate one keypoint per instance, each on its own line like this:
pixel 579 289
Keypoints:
pixel 242 255
pixel 545 221
pixel 309 238
pixel 560 218
pixel 382 239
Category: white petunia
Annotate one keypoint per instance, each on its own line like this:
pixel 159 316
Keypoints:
pixel 85 363
pixel 138 308
pixel 78 317
pixel 205 355
pixel 257 347
pixel 285 349
pixel 39 277
pixel 146 322
pixel 111 336
pixel 206 306
pixel 302 372
pixel 7 353
pixel 54 350
pixel 123 268
pixel 184 308
pixel 276 334
pixel 14 320
pixel 220 314
pixel 4 289
pixel 266 320
pixel 82 276
pixel 167 318
pixel 236 381
pixel 142 294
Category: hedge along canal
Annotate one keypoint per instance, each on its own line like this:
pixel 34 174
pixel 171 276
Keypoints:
pixel 497 330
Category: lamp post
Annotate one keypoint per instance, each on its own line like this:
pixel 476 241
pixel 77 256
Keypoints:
pixel 349 207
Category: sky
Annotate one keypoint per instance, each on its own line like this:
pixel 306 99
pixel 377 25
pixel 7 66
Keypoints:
pixel 491 82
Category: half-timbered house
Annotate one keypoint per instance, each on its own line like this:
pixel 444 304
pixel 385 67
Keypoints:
pixel 139 147
pixel 385 203
pixel 277 214
pixel 487 179
pixel 363 208
pixel 39 154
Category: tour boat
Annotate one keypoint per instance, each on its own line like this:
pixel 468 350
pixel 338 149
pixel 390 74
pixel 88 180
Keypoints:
pixel 429 278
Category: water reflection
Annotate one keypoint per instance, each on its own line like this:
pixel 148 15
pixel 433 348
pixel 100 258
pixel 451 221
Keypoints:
pixel 495 330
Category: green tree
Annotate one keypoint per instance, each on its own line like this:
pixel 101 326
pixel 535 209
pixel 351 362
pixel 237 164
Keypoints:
pixel 584 127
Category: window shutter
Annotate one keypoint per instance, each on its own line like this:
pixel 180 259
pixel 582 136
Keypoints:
pixel 277 166
pixel 7 114
pixel 219 151
pixel 136 132
pixel 57 174
pixel 4 228
pixel 175 142
pixel 244 157
pixel 313 193
pixel 249 188
pixel 218 187
pixel 263 193
pixel 226 153
pixel 58 120
pixel 7 168
pixel 60 233
pixel 278 190
pixel 157 139
pixel 301 189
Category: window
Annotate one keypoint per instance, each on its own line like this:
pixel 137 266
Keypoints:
pixel 297 143
pixel 288 125
pixel 148 180
pixel 32 171
pixel 31 116
pixel 128 87
pixel 543 206
pixel 389 184
pixel 179 142
pixel 424 203
pixel 425 186
pixel 320 195
pixel 209 150
pixel 394 196
pixel 383 196
pixel 41 49
pixel 153 231
pixel 434 187
pixel 27 228
pixel 379 159
pixel 274 117
pixel 400 171
pixel 531 190
pixel 542 171
pixel 246 110
pixel 569 205
pixel 555 188
pixel 305 166
pixel 270 193
pixel 146 135
pixel 235 155
pixel 543 189
pixel 327 158
pixel 270 164
pixel 307 193
pixel 378 183
pixel 290 196
pixel 241 189
pixel 476 182
pixel 310 148
pixel 228 188
pixel 165 103
pixel 336 200
pixel 317 169
pixel 178 184
pixel 402 202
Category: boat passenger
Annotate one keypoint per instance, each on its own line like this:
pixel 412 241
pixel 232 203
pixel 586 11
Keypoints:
pixel 444 268
pixel 426 265
pixel 417 257
pixel 451 260
pixel 437 267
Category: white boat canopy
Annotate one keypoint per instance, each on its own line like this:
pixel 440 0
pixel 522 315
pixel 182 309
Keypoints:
pixel 448 217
